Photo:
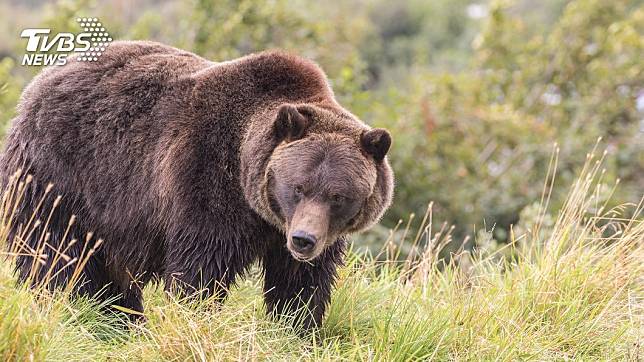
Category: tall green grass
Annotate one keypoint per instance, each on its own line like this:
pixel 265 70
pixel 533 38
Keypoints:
pixel 574 290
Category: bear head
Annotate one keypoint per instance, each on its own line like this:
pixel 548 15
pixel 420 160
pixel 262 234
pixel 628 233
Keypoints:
pixel 326 176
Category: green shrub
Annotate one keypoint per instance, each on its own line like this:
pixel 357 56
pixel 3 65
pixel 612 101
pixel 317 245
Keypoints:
pixel 478 141
pixel 475 105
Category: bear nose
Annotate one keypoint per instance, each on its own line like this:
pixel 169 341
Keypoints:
pixel 303 241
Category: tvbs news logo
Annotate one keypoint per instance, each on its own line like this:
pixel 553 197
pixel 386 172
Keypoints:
pixel 45 48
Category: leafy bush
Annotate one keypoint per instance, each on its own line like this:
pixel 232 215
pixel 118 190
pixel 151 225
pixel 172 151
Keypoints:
pixel 478 141
pixel 475 102
pixel 9 93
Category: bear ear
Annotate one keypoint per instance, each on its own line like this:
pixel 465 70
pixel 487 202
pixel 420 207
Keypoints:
pixel 290 124
pixel 376 142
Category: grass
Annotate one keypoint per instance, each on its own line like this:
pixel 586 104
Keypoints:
pixel 571 291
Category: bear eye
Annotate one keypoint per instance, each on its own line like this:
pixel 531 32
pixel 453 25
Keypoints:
pixel 298 189
pixel 352 221
pixel 337 199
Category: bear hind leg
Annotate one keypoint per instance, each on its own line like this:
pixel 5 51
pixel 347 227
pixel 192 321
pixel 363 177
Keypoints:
pixel 115 296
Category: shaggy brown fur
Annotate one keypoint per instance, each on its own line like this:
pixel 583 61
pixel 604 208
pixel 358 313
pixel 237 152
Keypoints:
pixel 192 170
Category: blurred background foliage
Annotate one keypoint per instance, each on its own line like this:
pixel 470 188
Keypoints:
pixel 475 93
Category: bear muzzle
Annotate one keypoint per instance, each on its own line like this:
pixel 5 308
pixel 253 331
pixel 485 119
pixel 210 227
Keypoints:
pixel 308 230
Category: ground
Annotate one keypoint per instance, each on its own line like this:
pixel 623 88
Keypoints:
pixel 574 292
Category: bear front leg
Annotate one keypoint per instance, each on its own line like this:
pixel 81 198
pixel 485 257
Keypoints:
pixel 298 289
pixel 197 272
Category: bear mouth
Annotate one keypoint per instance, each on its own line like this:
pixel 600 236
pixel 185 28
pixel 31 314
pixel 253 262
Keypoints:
pixel 302 258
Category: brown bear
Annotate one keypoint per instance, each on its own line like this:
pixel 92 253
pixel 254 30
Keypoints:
pixel 190 171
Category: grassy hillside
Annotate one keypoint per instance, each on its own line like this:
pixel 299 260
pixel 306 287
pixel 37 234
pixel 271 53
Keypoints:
pixel 569 290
